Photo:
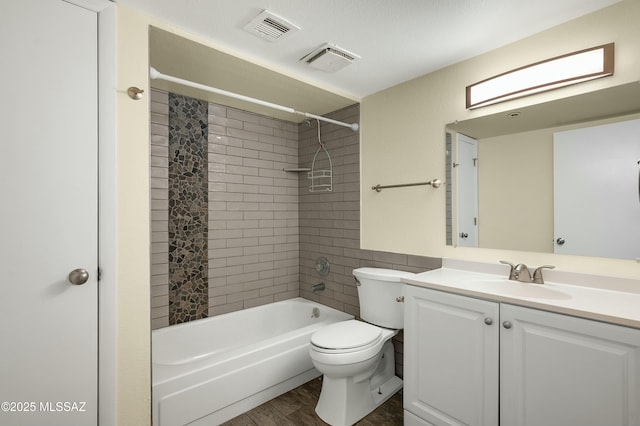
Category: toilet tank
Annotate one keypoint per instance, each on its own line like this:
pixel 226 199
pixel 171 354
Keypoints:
pixel 378 291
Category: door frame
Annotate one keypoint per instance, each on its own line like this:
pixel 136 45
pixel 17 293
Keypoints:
pixel 107 231
pixel 106 15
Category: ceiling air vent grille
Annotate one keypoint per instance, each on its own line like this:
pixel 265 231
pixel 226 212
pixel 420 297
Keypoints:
pixel 330 58
pixel 270 26
pixel 333 51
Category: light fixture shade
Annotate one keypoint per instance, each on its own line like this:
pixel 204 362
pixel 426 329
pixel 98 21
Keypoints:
pixel 565 70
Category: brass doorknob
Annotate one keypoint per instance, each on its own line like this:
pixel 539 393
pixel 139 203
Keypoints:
pixel 78 276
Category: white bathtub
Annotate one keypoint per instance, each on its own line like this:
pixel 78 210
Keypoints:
pixel 208 371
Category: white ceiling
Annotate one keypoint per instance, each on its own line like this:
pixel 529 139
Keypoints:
pixel 397 39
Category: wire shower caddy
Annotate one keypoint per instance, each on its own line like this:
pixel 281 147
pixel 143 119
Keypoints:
pixel 321 179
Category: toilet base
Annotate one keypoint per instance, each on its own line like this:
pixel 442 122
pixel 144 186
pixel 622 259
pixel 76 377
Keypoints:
pixel 386 391
pixel 343 402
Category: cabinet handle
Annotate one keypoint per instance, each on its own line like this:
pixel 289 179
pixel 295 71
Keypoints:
pixel 506 324
pixel 488 321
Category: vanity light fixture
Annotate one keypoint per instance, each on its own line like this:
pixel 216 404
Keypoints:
pixel 561 71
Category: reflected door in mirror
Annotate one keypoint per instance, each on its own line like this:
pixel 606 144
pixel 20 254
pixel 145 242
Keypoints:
pixel 466 172
pixel 597 208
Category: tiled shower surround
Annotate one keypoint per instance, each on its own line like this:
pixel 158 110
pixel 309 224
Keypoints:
pixel 252 210
pixel 266 229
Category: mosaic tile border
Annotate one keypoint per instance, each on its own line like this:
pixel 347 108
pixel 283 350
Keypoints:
pixel 188 209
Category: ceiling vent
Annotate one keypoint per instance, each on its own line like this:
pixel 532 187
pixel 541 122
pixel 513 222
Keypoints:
pixel 330 58
pixel 271 27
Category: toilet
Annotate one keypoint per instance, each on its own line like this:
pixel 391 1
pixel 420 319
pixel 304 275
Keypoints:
pixel 357 357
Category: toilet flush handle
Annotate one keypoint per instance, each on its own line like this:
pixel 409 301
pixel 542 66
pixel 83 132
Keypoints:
pixel 400 299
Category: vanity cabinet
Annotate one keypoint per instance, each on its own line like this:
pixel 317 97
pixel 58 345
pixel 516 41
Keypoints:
pixel 562 370
pixel 451 353
pixel 470 361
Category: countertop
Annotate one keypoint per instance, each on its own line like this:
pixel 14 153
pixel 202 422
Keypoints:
pixel 611 300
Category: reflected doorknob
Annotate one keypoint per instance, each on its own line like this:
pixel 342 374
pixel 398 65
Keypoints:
pixel 78 276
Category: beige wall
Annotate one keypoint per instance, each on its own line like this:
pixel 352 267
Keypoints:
pixel 402 138
pixel 133 381
pixel 515 191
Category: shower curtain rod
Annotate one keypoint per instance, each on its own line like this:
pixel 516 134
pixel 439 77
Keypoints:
pixel 157 75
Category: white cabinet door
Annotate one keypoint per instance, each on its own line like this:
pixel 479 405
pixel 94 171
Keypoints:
pixel 48 219
pixel 413 420
pixel 560 370
pixel 451 358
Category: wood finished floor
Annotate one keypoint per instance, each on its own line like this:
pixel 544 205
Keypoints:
pixel 297 408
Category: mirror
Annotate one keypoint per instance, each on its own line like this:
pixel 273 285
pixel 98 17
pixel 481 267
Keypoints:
pixel 502 186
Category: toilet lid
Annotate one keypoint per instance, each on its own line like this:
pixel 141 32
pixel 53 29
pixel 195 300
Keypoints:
pixel 346 335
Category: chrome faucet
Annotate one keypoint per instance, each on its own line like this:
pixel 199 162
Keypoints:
pixel 317 287
pixel 521 272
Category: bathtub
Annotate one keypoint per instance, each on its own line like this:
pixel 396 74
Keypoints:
pixel 208 371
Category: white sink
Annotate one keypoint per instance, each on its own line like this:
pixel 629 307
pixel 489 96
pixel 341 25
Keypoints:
pixel 517 289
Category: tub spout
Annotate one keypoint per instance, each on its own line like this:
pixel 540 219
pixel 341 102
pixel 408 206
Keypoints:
pixel 317 287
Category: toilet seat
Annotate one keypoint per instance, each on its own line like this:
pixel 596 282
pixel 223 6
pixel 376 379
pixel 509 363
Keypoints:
pixel 346 336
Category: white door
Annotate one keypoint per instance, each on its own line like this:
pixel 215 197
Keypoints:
pixel 467 190
pixel 562 370
pixel 48 219
pixel 450 358
pixel 596 190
